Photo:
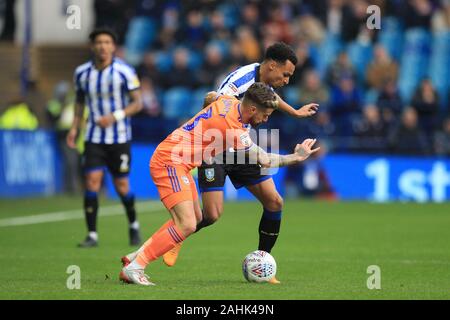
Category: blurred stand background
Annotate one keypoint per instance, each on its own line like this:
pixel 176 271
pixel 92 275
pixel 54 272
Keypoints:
pixel 384 120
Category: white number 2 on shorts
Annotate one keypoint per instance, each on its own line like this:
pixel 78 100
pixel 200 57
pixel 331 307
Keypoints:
pixel 124 164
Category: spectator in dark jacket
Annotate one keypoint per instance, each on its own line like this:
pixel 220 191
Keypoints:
pixel 345 105
pixel 212 67
pixel 442 139
pixel 390 102
pixel 418 13
pixel 408 138
pixel 371 131
pixel 341 67
pixel 180 75
pixel 426 103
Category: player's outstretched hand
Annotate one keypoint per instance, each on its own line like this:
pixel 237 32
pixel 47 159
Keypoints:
pixel 106 121
pixel 307 110
pixel 71 138
pixel 304 150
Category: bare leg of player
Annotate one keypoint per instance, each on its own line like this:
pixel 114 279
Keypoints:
pixel 212 210
pixel 182 225
pixel 171 256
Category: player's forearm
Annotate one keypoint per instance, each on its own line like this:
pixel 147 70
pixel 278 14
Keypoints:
pixel 78 114
pixel 135 106
pixel 278 160
pixel 285 107
pixel 131 109
pixel 270 160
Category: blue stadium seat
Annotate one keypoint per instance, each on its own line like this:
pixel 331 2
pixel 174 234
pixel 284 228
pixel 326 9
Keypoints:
pixel 197 97
pixel 406 88
pixel 417 41
pixel 195 59
pixel 230 13
pixel 415 61
pixel 391 37
pixel 360 54
pixel 141 33
pixel 371 96
pixel 224 46
pixel 391 24
pixel 327 52
pixel 163 61
pixel 291 95
pixel 313 52
pixel 440 65
pixel 176 103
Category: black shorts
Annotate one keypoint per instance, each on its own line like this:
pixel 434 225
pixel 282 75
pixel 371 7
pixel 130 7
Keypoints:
pixel 211 177
pixel 115 157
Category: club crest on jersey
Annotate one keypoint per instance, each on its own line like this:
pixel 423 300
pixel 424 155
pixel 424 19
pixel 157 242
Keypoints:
pixel 209 173
pixel 245 140
pixel 185 180
pixel 136 82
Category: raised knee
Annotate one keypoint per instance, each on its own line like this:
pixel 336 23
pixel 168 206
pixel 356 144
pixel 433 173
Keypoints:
pixel 93 185
pixel 188 228
pixel 275 203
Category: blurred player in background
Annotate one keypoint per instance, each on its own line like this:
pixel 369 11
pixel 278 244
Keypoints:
pixel 223 124
pixel 276 69
pixel 110 89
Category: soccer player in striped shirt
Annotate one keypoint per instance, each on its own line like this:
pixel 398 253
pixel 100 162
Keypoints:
pixel 275 71
pixel 110 89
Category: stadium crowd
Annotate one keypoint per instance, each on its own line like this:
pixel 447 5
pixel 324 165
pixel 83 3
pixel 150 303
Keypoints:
pixel 379 90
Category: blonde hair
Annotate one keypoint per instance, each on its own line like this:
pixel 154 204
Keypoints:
pixel 261 95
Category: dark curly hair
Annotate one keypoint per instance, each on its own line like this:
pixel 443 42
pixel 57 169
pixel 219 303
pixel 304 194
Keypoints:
pixel 93 35
pixel 280 52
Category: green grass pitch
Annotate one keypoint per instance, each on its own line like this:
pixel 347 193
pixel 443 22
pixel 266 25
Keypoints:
pixel 323 252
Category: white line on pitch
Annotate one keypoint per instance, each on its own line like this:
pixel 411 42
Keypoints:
pixel 149 206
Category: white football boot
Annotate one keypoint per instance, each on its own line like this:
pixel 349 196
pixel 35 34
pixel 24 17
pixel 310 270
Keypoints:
pixel 135 276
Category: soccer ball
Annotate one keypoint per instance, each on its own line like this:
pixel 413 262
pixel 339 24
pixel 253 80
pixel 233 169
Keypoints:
pixel 259 266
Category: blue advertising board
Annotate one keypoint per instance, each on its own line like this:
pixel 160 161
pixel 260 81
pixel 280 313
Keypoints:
pixel 30 164
pixel 353 177
pixel 389 178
